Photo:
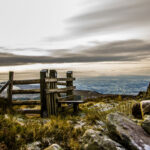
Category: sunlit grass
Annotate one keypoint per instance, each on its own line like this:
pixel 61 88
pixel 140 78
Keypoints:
pixel 17 134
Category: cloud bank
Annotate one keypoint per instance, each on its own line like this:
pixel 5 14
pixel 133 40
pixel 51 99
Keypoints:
pixel 129 50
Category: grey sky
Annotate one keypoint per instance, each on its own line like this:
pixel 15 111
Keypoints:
pixel 68 31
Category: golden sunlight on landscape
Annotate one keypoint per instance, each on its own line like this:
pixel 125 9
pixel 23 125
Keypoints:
pixel 80 69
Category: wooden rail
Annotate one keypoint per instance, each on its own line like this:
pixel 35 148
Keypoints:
pixel 58 79
pixel 33 81
pixel 26 102
pixel 61 83
pixel 61 90
pixel 27 91
pixel 66 98
pixel 4 86
pixel 29 111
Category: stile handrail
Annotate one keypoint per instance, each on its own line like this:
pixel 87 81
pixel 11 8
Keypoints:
pixel 4 86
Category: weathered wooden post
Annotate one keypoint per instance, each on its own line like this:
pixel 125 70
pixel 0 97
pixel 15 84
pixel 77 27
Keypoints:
pixel 9 91
pixel 70 84
pixel 43 74
pixel 52 105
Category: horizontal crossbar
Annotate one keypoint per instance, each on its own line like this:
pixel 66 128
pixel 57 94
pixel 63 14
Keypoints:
pixel 26 102
pixel 29 111
pixel 61 90
pixel 27 91
pixel 32 81
pixel 58 79
pixel 72 102
pixel 66 98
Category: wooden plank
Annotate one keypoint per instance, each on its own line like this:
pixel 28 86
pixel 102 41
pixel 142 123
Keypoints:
pixel 69 83
pixel 58 79
pixel 61 83
pixel 61 90
pixel 29 111
pixel 27 91
pixel 3 100
pixel 71 102
pixel 43 74
pixel 4 86
pixel 26 102
pixel 51 97
pixel 66 98
pixel 33 81
pixel 10 88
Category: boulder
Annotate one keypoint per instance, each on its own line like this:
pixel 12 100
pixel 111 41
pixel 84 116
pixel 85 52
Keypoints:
pixel 54 147
pixel 127 133
pixel 94 140
pixel 146 124
pixel 141 109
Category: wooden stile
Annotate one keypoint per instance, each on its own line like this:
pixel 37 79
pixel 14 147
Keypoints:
pixel 51 97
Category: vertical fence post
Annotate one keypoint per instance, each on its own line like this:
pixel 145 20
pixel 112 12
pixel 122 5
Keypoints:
pixel 43 92
pixel 52 104
pixel 69 83
pixel 9 91
pixel 70 92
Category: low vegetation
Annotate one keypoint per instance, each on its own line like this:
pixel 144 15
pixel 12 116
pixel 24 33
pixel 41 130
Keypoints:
pixel 17 131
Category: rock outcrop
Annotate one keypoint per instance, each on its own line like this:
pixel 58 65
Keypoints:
pixel 145 94
pixel 141 109
pixel 146 124
pixel 127 133
pixel 94 140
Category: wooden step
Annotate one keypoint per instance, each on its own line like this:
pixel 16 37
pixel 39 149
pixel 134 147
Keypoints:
pixel 29 111
pixel 73 102
pixel 26 102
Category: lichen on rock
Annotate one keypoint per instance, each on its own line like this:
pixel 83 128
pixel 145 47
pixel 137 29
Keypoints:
pixel 126 132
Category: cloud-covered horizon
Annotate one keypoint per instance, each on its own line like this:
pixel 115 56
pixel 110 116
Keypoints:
pixel 129 50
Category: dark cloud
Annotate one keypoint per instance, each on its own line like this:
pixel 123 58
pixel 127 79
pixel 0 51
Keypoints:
pixel 115 15
pixel 130 50
pixel 107 16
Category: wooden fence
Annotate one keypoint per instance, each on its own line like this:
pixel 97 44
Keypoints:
pixel 50 94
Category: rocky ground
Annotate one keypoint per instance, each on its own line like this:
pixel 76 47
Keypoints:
pixel 99 125
pixel 104 122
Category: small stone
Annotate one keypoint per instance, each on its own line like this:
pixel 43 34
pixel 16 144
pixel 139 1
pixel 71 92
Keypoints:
pixel 54 147
pixel 34 145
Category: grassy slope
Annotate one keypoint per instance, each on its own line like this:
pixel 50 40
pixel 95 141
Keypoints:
pixel 17 131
